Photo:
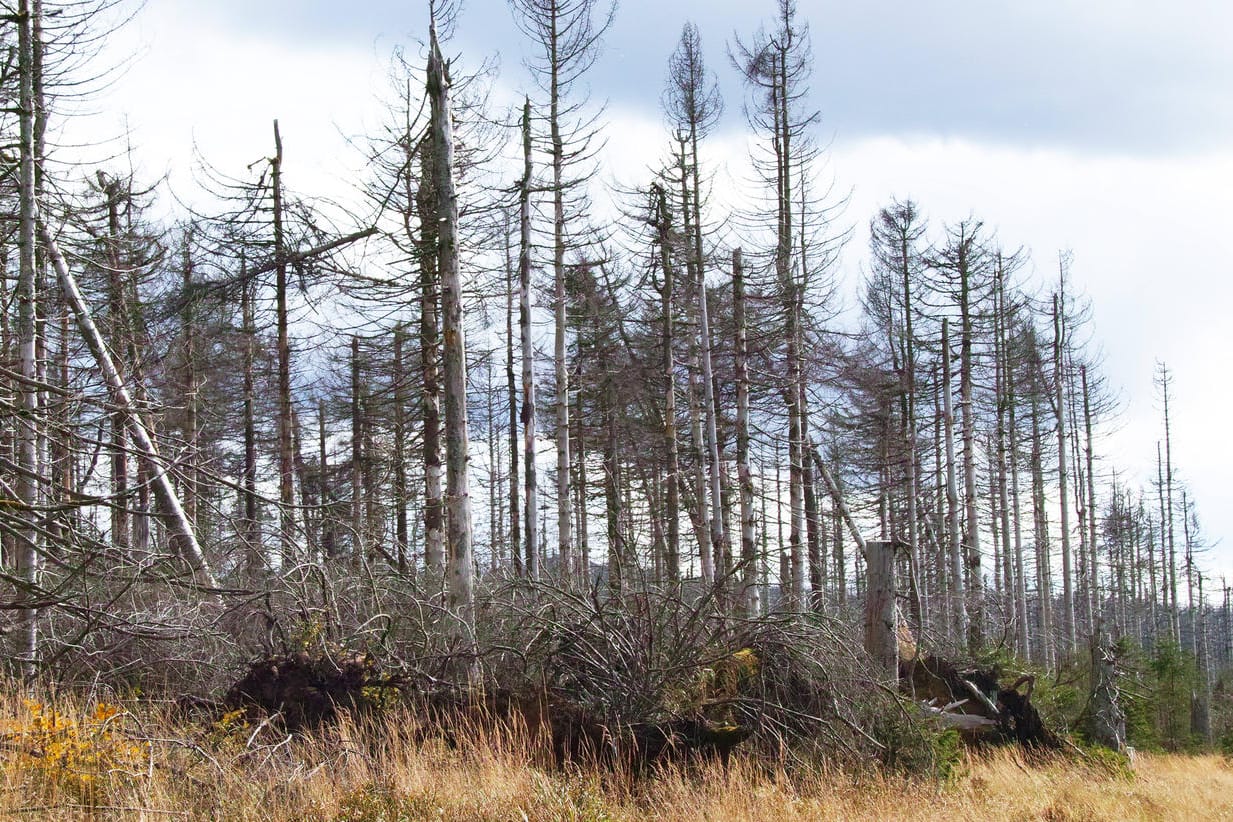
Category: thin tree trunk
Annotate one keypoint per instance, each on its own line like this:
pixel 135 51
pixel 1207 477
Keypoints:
pixel 329 547
pixel 454 349
pixel 286 463
pixel 515 507
pixel 253 550
pixel 27 486
pixel 402 544
pixel 749 598
pixel 1040 523
pixel 357 459
pixel 121 525
pixel 1068 594
pixel 560 363
pixel 1089 453
pixel 430 363
pixel 957 586
pixel 975 581
pixel 712 438
pixel 528 355
pixel 672 558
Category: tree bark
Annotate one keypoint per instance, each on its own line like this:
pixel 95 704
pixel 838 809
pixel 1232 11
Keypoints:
pixel 749 598
pixel 672 557
pixel 530 476
pixel 957 581
pixel 27 486
pixel 454 349
pixel 286 458
pixel 1068 592
pixel 427 198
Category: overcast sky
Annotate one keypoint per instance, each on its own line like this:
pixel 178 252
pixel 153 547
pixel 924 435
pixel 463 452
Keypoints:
pixel 1100 126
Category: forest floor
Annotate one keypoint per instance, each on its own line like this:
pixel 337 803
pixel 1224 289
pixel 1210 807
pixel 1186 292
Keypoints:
pixel 91 760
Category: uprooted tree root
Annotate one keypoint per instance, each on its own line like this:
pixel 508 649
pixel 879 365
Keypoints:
pixel 975 701
pixel 308 690
pixel 301 692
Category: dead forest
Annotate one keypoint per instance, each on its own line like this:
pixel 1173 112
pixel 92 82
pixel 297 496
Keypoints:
pixel 503 437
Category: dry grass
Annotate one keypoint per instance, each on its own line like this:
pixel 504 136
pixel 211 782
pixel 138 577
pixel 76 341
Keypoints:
pixel 139 764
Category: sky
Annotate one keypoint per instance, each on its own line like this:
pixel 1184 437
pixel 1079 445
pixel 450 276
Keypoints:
pixel 1104 127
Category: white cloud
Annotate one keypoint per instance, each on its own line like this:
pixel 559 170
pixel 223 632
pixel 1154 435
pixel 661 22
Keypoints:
pixel 1148 232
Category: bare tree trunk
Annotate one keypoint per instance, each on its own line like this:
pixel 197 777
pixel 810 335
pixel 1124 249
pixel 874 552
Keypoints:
pixel 192 482
pixel 1166 512
pixel 1093 562
pixel 918 599
pixel 881 617
pixel 1023 633
pixel 975 581
pixel 698 513
pixel 749 599
pixel 813 525
pixel 454 349
pixel 672 558
pixel 254 554
pixel 612 498
pixel 329 547
pixel 515 508
pixel 27 486
pixel 121 525
pixel 564 523
pixel 357 459
pixel 1040 528
pixel 528 354
pixel 430 364
pixel 286 459
pixel 580 457
pixel 712 438
pixel 957 586
pixel 1068 593
pixel 402 543
pixel 1010 571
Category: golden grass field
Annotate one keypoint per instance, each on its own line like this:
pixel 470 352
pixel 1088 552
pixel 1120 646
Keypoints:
pixel 92 760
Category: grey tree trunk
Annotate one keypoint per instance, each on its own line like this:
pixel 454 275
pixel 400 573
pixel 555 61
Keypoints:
pixel 427 199
pixel 530 476
pixel 975 581
pixel 357 459
pixel 881 616
pixel 560 362
pixel 1068 591
pixel 1040 529
pixel 749 599
pixel 402 545
pixel 1089 456
pixel 1166 511
pixel 121 525
pixel 27 486
pixel 454 350
pixel 959 612
pixel 672 513
pixel 254 553
pixel 286 457
pixel 511 380
pixel 712 438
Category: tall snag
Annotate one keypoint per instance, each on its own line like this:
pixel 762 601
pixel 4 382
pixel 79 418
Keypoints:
pixel 454 349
